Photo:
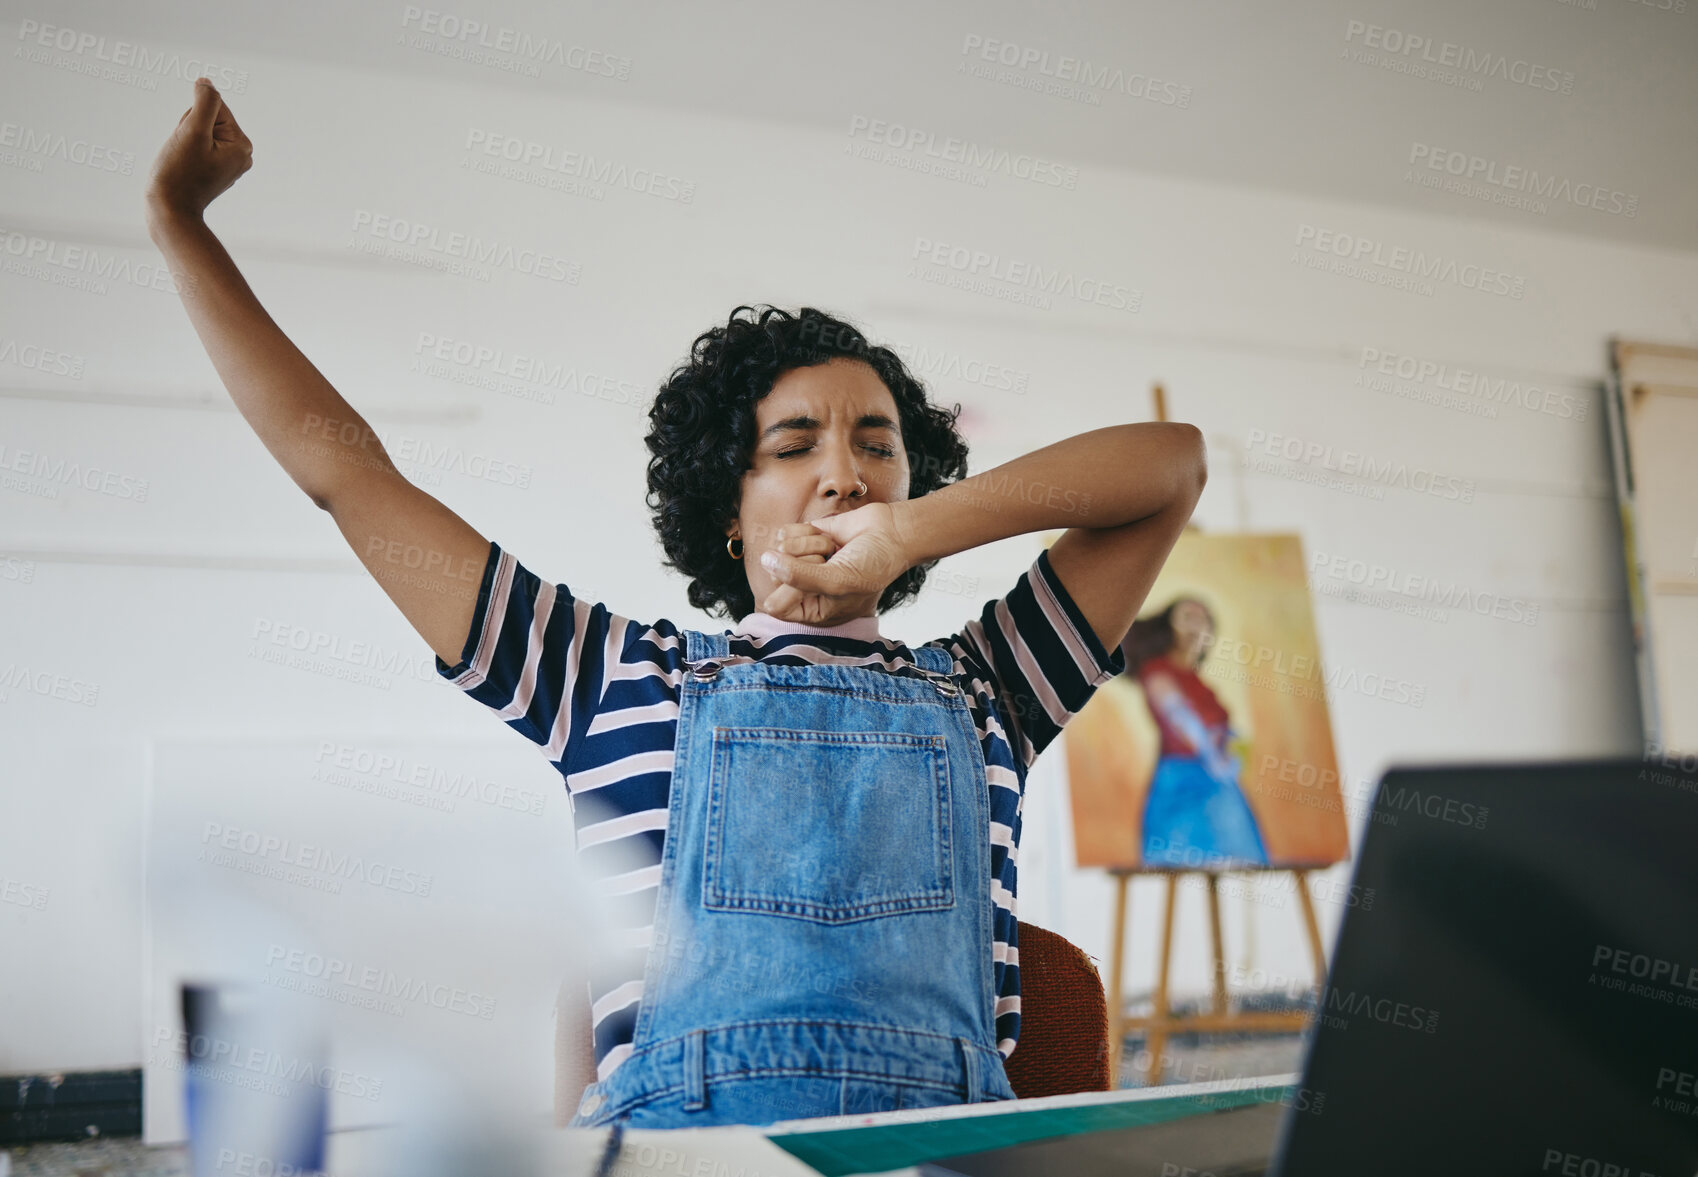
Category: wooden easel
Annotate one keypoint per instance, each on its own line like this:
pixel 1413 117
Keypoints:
pixel 1161 1022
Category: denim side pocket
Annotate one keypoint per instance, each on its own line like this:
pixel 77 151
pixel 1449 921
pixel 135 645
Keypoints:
pixel 828 826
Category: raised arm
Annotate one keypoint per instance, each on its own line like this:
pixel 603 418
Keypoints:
pixel 426 557
pixel 1124 495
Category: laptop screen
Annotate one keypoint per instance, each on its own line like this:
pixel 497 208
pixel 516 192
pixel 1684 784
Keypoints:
pixel 1522 995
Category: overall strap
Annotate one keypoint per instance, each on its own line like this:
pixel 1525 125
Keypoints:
pixel 699 646
pixel 933 658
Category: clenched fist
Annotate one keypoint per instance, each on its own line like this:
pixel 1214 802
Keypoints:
pixel 203 156
pixel 836 567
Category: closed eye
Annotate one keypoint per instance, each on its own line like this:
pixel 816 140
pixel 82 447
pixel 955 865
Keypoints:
pixel 881 451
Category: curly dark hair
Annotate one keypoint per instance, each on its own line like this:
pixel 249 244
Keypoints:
pixel 703 433
pixel 1152 636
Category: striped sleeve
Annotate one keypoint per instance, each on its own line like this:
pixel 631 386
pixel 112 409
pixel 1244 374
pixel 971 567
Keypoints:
pixel 534 654
pixel 1044 658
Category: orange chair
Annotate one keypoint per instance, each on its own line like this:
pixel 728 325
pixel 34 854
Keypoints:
pixel 1063 1027
pixel 1063 1019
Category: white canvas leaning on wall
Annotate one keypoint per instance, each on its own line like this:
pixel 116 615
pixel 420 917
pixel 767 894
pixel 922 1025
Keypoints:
pixel 1653 402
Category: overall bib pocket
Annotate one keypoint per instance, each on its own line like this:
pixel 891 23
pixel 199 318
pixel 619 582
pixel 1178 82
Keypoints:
pixel 829 826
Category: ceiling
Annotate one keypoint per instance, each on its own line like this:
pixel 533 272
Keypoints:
pixel 1275 96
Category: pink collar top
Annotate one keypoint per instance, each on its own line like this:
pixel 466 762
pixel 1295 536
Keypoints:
pixel 764 626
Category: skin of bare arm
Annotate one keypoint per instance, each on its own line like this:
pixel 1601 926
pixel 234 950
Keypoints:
pixel 426 558
pixel 1123 494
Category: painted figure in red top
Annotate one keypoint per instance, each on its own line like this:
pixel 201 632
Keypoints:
pixel 1196 814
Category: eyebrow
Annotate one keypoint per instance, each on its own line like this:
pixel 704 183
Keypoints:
pixel 805 422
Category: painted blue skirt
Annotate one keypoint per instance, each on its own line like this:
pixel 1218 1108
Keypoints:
pixel 1196 819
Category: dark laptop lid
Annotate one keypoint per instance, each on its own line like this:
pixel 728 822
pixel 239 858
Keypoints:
pixel 1522 996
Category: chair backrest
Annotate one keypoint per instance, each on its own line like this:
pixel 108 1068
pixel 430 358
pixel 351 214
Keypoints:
pixel 1063 1044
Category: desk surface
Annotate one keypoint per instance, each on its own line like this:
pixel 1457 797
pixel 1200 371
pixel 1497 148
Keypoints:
pixel 840 1145
pixel 799 1148
pixel 834 1145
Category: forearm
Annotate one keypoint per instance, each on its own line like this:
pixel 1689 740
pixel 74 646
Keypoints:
pixel 312 432
pixel 1101 479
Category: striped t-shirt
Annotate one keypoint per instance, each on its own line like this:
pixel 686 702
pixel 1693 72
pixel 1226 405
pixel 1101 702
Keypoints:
pixel 599 693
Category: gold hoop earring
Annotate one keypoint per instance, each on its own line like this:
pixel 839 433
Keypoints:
pixel 738 554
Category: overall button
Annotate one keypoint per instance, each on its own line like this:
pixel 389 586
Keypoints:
pixel 590 1103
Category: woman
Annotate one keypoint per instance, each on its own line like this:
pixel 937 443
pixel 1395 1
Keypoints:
pixel 1196 814
pixel 808 830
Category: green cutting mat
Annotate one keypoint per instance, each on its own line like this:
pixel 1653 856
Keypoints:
pixel 900 1146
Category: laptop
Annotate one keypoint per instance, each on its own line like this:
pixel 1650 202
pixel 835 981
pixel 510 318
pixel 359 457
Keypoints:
pixel 1520 998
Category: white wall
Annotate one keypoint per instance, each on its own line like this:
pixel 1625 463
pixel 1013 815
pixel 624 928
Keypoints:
pixel 159 601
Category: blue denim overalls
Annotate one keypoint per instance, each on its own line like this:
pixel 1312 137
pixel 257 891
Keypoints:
pixel 822 937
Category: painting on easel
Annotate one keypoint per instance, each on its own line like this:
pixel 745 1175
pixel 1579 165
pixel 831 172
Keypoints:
pixel 1214 750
